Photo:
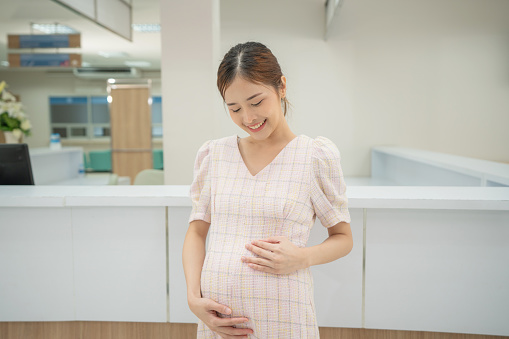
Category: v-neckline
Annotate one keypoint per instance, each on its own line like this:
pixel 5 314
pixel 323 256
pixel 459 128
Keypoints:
pixel 237 139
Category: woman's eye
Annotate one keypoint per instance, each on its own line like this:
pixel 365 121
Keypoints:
pixel 236 110
pixel 258 103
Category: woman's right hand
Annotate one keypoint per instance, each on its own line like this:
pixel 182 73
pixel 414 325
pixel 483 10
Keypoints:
pixel 206 309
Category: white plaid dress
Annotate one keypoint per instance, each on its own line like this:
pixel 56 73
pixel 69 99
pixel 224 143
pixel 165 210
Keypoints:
pixel 303 181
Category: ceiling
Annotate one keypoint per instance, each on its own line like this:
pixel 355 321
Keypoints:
pixel 99 46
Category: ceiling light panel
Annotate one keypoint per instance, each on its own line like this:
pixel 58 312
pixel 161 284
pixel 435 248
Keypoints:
pixel 53 28
pixel 137 63
pixel 147 28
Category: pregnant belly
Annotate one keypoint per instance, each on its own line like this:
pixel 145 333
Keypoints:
pixel 248 292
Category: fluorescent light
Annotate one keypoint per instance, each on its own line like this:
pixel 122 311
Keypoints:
pixel 137 63
pixel 53 28
pixel 146 28
pixel 113 54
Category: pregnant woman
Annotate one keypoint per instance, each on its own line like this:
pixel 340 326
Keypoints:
pixel 257 199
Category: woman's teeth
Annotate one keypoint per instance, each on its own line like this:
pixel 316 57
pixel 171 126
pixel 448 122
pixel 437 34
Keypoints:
pixel 256 126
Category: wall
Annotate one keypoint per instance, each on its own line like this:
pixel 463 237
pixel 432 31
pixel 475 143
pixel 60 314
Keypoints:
pixel 34 89
pixel 190 32
pixel 426 74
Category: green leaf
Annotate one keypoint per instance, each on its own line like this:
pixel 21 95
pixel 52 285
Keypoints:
pixel 7 122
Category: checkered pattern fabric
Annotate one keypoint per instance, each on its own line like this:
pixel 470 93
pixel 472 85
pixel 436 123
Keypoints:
pixel 303 181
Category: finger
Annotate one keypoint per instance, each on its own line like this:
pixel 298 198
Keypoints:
pixel 259 261
pixel 230 321
pixel 264 244
pixel 235 331
pixel 213 306
pixel 274 239
pixel 227 336
pixel 260 251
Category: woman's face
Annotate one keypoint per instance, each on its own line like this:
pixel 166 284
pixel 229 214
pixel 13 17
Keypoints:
pixel 250 104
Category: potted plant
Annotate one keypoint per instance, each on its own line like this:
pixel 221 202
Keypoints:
pixel 13 121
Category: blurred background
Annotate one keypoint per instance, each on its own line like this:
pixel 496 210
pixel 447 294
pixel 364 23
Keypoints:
pixel 413 93
pixel 431 75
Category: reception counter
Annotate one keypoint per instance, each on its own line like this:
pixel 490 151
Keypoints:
pixel 424 258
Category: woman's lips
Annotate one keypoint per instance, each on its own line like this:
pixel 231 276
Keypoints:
pixel 259 128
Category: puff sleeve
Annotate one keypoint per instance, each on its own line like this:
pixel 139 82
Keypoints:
pixel 328 188
pixel 200 187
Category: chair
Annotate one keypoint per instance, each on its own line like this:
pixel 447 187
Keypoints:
pixel 100 160
pixel 113 179
pixel 86 162
pixel 158 158
pixel 149 177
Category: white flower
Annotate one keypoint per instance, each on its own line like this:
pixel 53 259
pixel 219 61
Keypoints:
pixel 15 110
pixel 12 110
pixel 26 125
pixel 17 133
pixel 4 107
pixel 6 96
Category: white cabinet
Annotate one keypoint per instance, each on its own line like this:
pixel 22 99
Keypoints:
pixel 437 270
pixel 83 263
pixel 338 285
pixel 36 266
pixel 120 263
pixel 435 257
pixel 52 166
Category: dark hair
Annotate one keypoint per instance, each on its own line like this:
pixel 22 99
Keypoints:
pixel 252 61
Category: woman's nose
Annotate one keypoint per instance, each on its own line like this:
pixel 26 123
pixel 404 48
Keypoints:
pixel 250 117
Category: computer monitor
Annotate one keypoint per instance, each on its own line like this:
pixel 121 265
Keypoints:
pixel 15 166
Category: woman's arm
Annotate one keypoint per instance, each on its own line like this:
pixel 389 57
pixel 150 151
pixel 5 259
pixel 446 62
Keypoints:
pixel 279 255
pixel 193 256
pixel 337 245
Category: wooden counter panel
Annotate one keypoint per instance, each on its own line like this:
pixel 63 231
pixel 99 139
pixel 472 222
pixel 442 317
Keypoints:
pixel 129 330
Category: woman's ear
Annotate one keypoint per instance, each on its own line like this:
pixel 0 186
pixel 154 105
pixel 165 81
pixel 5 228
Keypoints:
pixel 283 86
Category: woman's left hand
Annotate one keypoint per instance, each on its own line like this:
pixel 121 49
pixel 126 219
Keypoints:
pixel 278 255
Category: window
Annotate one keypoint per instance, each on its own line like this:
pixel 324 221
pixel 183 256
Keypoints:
pixel 69 115
pixel 100 117
pixel 157 117
pixel 89 116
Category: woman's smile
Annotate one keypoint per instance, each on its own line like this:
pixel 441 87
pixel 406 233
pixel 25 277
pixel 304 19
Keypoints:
pixel 258 127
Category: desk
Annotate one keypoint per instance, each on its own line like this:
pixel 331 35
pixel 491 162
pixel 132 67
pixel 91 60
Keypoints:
pixel 424 258
pixel 92 179
pixel 50 166
pixel 415 167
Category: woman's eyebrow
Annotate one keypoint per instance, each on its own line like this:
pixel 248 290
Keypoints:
pixel 251 97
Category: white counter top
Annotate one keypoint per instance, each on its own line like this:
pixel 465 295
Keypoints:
pixel 408 197
pixel 50 166
pixel 38 151
pixel 489 170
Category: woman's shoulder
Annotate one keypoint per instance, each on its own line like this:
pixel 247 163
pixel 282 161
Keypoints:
pixel 215 147
pixel 323 148
pixel 210 143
